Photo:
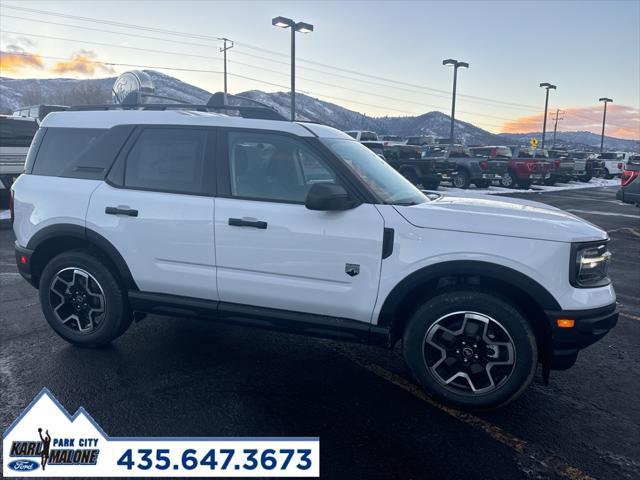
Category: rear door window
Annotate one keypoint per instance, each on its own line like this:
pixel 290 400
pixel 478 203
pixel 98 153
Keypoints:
pixel 61 148
pixel 168 160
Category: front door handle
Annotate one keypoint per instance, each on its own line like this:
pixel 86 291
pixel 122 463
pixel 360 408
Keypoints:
pixel 240 222
pixel 121 211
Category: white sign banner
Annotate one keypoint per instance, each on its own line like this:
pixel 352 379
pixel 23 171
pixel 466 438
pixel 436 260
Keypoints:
pixel 45 441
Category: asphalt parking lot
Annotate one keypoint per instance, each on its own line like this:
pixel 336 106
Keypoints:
pixel 177 377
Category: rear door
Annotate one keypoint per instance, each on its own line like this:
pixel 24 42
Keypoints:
pixel 271 251
pixel 157 210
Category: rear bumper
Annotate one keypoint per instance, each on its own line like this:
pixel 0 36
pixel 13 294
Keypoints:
pixel 23 262
pixel 589 327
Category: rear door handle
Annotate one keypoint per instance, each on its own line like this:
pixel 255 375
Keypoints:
pixel 240 222
pixel 121 211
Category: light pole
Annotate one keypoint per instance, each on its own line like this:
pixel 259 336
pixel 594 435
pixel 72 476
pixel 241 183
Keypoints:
pixel 548 87
pixel 301 27
pixel 604 119
pixel 456 64
pixel 224 50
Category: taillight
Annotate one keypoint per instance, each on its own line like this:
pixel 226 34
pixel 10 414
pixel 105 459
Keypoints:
pixel 13 215
pixel 620 165
pixel 531 166
pixel 628 176
pixel 484 165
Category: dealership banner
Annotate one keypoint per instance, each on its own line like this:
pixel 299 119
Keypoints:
pixel 46 441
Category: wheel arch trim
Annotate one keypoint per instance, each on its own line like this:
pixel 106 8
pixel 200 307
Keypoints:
pixel 522 282
pixel 89 236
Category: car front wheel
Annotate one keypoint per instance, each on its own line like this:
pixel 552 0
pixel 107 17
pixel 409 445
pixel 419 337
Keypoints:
pixel 82 299
pixel 471 349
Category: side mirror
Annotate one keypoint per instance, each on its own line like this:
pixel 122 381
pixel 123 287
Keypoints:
pixel 329 197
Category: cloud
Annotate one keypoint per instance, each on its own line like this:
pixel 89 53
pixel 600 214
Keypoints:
pixel 622 121
pixel 14 59
pixel 83 62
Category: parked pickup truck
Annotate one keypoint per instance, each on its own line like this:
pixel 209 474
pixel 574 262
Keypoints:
pixel 613 163
pixel 375 147
pixel 564 167
pixel 592 166
pixel 418 166
pixel 392 140
pixel 15 137
pixel 471 167
pixel 363 135
pixel 525 167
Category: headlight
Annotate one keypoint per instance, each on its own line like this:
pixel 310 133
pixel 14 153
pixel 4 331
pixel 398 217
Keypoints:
pixel 590 265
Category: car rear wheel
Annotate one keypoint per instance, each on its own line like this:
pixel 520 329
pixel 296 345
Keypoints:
pixel 410 175
pixel 507 180
pixel 586 178
pixel 550 182
pixel 461 180
pixel 483 183
pixel 82 299
pixel 431 184
pixel 607 175
pixel 470 348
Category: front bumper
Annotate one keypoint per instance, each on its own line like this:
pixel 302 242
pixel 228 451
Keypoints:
pixel 23 262
pixel 589 327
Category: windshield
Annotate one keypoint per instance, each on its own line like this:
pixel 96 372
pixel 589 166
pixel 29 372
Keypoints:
pixel 389 185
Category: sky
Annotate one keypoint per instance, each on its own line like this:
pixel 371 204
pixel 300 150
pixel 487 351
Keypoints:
pixel 375 57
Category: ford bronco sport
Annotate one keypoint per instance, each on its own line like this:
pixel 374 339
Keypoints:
pixel 296 226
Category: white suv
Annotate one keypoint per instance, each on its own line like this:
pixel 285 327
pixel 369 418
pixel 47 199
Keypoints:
pixel 298 227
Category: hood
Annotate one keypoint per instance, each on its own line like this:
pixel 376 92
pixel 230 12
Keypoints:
pixel 501 216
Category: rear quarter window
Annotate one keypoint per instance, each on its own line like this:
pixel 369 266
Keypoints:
pixel 61 149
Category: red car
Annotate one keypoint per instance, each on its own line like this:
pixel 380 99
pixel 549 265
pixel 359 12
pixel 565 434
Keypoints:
pixel 524 168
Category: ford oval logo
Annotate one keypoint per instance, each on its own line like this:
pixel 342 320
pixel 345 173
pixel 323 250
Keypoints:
pixel 23 465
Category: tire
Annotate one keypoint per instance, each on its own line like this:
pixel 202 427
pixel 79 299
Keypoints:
pixel 82 300
pixel 586 178
pixel 411 176
pixel 431 184
pixel 524 184
pixel 607 175
pixel 482 183
pixel 466 312
pixel 461 180
pixel 507 180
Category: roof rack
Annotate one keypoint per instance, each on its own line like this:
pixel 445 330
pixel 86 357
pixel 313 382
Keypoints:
pixel 133 101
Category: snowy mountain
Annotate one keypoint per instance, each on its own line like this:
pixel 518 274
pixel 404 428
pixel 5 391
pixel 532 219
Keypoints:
pixel 16 93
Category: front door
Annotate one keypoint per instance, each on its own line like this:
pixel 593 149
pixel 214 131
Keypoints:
pixel 271 251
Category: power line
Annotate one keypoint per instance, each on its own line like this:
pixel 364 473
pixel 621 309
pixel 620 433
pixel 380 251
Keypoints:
pixel 159 67
pixel 395 82
pixel 49 22
pixel 265 69
pixel 91 42
pixel 117 64
pixel 260 58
